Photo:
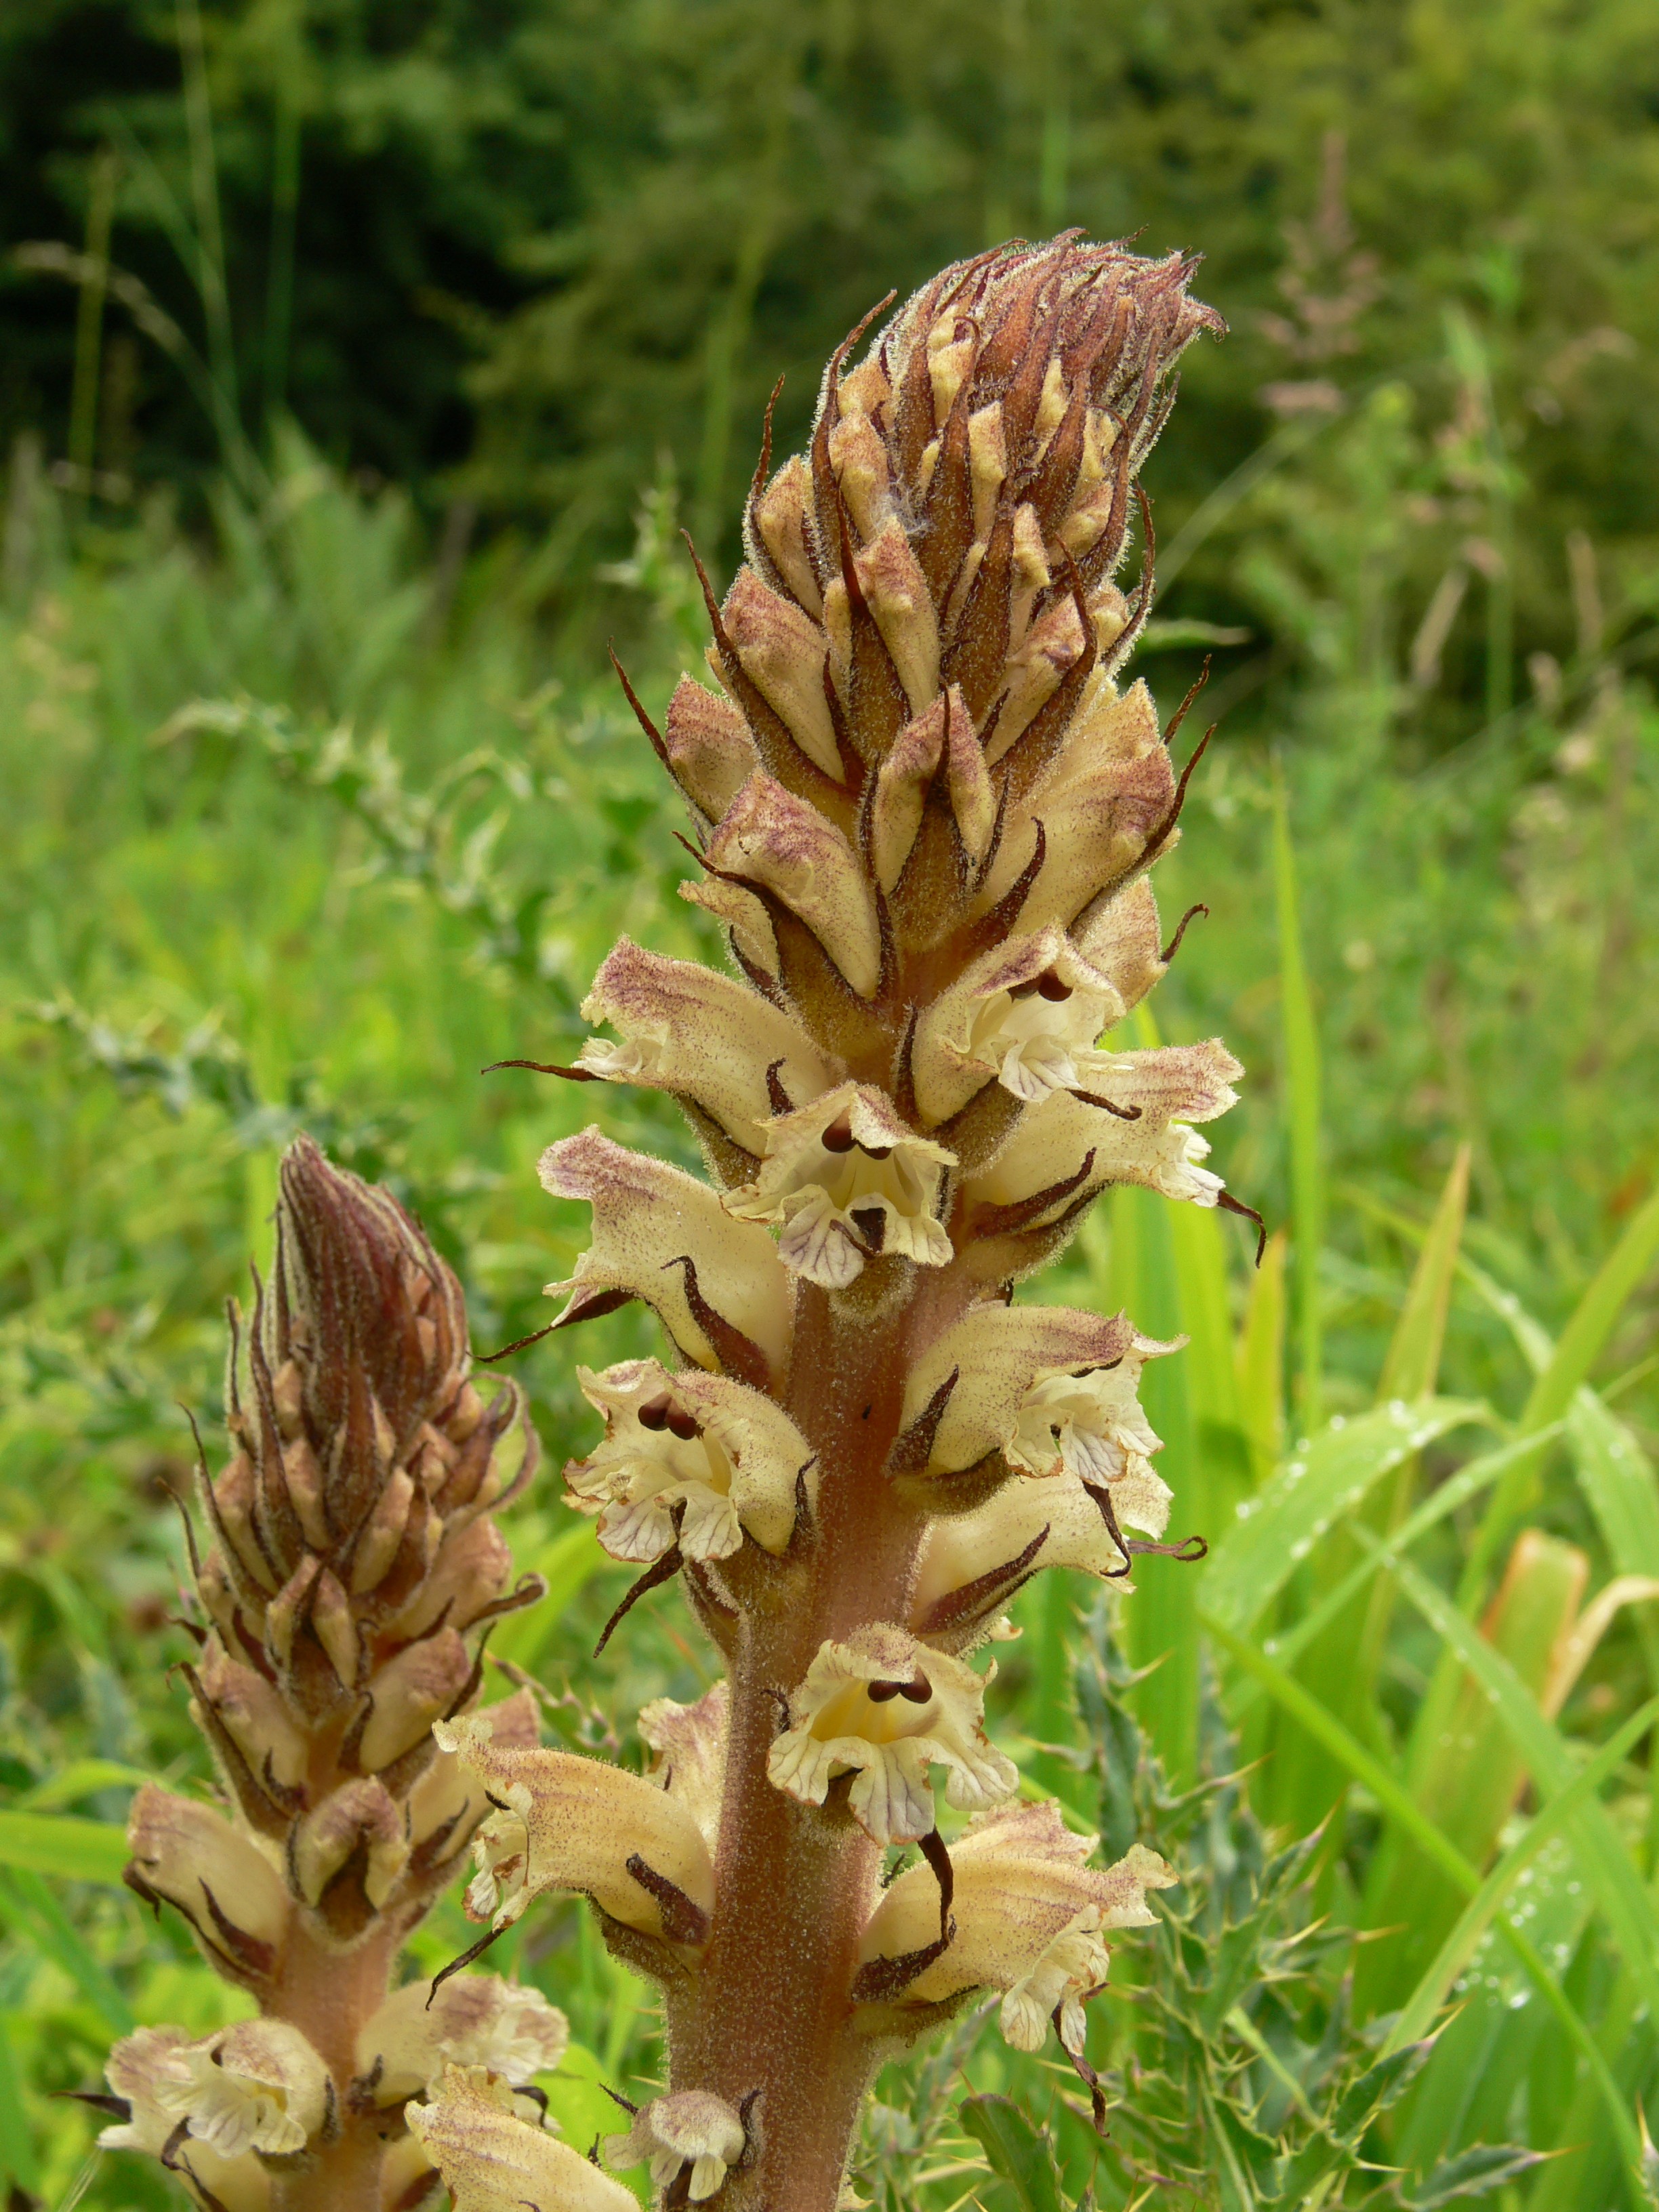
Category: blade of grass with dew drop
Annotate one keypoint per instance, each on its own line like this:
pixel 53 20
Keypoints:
pixel 1396 1804
pixel 1623 1897
pixel 59 1843
pixel 1416 2017
pixel 1324 1481
pixel 1470 1784
pixel 1457 1490
pixel 1300 1036
pixel 1618 1482
pixel 1577 1350
pixel 1410 1369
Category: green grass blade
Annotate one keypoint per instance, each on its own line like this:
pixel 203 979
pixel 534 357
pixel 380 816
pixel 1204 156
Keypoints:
pixel 1301 1089
pixel 36 1914
pixel 1260 1360
pixel 1412 1367
pixel 1457 1490
pixel 1577 1350
pixel 1618 1483
pixel 566 1562
pixel 1220 1444
pixel 1620 1893
pixel 18 2160
pixel 57 1844
pixel 1329 1479
pixel 1581 1342
pixel 1396 1803
pixel 1416 2017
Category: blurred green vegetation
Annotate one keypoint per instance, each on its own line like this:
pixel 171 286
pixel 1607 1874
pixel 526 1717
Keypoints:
pixel 313 802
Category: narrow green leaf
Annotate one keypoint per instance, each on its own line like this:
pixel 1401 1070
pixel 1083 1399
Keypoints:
pixel 1323 1481
pixel 1607 1865
pixel 1412 1364
pixel 1577 1350
pixel 56 1844
pixel 1581 1342
pixel 1416 2016
pixel 82 1778
pixel 1396 1803
pixel 1016 2152
pixel 18 2160
pixel 1618 1483
pixel 1457 1490
pixel 1220 1444
pixel 1302 1087
pixel 566 1562
pixel 36 1914
pixel 1261 1361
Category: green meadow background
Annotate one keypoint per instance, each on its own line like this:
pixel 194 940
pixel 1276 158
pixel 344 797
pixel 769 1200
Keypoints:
pixel 360 361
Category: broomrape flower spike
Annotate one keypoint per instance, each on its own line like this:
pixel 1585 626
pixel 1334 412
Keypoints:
pixel 350 1568
pixel 925 805
pixel 924 808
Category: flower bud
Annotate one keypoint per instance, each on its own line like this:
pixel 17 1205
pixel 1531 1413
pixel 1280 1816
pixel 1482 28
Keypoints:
pixel 214 1874
pixel 1029 1914
pixel 785 847
pixel 493 2161
pixel 565 1822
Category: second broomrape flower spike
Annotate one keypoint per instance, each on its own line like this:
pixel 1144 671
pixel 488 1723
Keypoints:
pixel 352 1570
pixel 926 813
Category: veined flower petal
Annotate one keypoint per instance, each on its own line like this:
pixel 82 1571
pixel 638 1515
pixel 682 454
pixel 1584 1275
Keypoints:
pixel 886 1709
pixel 727 1455
pixel 846 1178
pixel 493 2161
pixel 773 839
pixel 1122 936
pixel 646 1216
pixel 996 1354
pixel 702 1035
pixel 1093 1428
pixel 470 2019
pixel 1029 1917
pixel 139 2067
pixel 1027 1013
pixel 687 2127
pixel 957 1593
pixel 570 1823
pixel 257 2087
pixel 1167 1088
pixel 689 1743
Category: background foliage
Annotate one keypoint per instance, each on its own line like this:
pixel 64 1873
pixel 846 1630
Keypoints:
pixel 420 328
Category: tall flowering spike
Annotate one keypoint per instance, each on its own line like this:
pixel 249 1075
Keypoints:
pixel 926 813
pixel 352 1568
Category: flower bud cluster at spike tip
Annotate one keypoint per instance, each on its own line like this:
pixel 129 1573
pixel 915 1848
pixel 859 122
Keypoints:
pixel 352 1569
pixel 355 1559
